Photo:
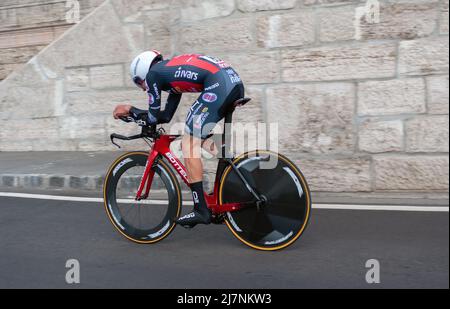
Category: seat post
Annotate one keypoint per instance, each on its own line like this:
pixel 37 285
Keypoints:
pixel 226 134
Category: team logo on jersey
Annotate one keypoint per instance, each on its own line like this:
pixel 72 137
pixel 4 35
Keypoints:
pixel 155 88
pixel 180 73
pixel 234 77
pixel 209 97
pixel 193 110
pixel 212 87
pixel 200 120
pixel 151 99
pixel 222 64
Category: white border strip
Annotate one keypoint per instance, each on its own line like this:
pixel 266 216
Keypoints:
pixel 51 197
pixel 189 203
pixel 383 207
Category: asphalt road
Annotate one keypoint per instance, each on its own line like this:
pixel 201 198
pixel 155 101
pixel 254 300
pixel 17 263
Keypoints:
pixel 37 237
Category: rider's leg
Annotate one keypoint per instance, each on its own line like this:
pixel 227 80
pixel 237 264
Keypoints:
pixel 191 147
pixel 204 114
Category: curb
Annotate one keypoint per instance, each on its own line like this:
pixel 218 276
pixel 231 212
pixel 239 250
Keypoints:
pixel 94 185
pixel 45 182
pixel 52 182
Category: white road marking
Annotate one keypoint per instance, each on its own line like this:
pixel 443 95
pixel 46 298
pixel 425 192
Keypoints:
pixel 77 199
pixel 189 203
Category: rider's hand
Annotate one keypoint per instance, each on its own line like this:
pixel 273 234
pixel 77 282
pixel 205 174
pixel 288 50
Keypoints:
pixel 122 110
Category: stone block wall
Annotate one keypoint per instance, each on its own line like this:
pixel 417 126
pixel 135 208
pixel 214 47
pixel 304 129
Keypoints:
pixel 361 102
pixel 27 26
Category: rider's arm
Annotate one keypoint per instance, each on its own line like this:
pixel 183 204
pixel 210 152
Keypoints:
pixel 154 102
pixel 150 116
pixel 171 106
pixel 139 116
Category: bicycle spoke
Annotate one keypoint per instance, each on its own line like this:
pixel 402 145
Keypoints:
pixel 129 209
pixel 147 223
pixel 139 215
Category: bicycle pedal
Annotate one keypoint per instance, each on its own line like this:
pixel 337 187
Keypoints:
pixel 220 219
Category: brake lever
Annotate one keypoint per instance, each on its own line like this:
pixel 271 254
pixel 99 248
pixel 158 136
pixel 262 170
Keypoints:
pixel 126 119
pixel 124 138
pixel 113 142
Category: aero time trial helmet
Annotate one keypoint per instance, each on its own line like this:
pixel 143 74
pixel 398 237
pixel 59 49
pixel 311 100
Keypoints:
pixel 141 65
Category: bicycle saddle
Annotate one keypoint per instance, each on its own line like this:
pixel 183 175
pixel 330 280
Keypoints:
pixel 241 102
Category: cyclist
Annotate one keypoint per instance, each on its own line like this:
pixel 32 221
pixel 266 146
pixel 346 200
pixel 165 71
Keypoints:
pixel 219 85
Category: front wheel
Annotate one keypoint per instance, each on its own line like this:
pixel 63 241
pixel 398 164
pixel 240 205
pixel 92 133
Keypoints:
pixel 150 220
pixel 282 219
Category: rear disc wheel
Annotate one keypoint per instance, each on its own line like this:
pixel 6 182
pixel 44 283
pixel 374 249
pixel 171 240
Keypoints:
pixel 284 215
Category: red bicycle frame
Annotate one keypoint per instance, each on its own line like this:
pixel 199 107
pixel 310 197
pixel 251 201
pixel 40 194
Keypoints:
pixel 161 147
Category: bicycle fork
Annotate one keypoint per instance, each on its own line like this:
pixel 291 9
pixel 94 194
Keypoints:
pixel 260 199
pixel 147 178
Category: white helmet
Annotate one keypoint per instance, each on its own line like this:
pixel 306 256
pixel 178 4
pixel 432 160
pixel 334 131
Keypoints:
pixel 141 65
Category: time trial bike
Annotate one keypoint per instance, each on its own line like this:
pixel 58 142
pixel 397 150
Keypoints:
pixel 265 208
